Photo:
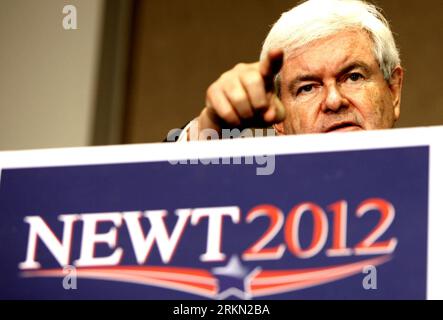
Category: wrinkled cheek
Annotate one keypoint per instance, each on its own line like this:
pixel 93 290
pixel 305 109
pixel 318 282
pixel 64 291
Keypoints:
pixel 383 113
pixel 375 109
pixel 292 123
pixel 301 117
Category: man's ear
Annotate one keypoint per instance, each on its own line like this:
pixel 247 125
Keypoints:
pixel 395 86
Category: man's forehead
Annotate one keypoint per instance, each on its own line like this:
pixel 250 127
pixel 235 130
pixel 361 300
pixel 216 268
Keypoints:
pixel 330 53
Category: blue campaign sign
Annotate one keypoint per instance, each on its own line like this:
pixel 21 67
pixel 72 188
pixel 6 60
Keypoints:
pixel 325 225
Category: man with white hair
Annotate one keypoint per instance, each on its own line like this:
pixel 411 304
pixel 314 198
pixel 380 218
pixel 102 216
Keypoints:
pixel 325 66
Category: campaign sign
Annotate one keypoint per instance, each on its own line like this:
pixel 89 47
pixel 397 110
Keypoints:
pixel 325 225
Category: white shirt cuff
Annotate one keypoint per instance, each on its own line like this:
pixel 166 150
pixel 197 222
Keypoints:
pixel 190 132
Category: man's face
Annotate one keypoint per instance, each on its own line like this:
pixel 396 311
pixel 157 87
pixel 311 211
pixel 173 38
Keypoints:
pixel 335 84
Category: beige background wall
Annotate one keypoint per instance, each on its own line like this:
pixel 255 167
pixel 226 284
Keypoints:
pixel 47 74
pixel 419 28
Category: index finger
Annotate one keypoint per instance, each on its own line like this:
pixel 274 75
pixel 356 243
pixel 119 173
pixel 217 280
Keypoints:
pixel 270 67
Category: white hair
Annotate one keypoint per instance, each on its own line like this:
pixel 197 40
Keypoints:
pixel 316 19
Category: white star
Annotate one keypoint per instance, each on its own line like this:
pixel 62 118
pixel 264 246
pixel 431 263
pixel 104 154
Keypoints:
pixel 234 269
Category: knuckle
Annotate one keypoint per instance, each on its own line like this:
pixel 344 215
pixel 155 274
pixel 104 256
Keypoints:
pixel 240 66
pixel 237 97
pixel 225 76
pixel 230 86
pixel 212 89
pixel 228 80
pixel 252 79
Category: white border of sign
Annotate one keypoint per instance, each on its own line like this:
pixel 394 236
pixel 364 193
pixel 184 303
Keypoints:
pixel 424 136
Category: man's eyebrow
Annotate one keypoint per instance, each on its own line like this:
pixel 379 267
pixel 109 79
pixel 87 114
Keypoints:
pixel 302 78
pixel 354 65
pixel 311 77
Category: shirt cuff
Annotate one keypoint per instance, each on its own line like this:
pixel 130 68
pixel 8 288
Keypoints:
pixel 190 132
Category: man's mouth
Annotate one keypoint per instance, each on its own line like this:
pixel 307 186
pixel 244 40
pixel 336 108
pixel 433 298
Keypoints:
pixel 343 127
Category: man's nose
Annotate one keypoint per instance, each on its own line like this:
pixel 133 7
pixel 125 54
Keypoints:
pixel 334 99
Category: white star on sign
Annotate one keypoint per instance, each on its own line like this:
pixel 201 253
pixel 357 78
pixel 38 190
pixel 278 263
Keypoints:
pixel 235 269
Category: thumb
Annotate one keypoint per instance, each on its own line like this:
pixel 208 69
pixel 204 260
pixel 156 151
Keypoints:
pixel 276 113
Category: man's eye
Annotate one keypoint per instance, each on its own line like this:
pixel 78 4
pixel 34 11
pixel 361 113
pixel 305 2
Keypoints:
pixel 355 76
pixel 304 89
